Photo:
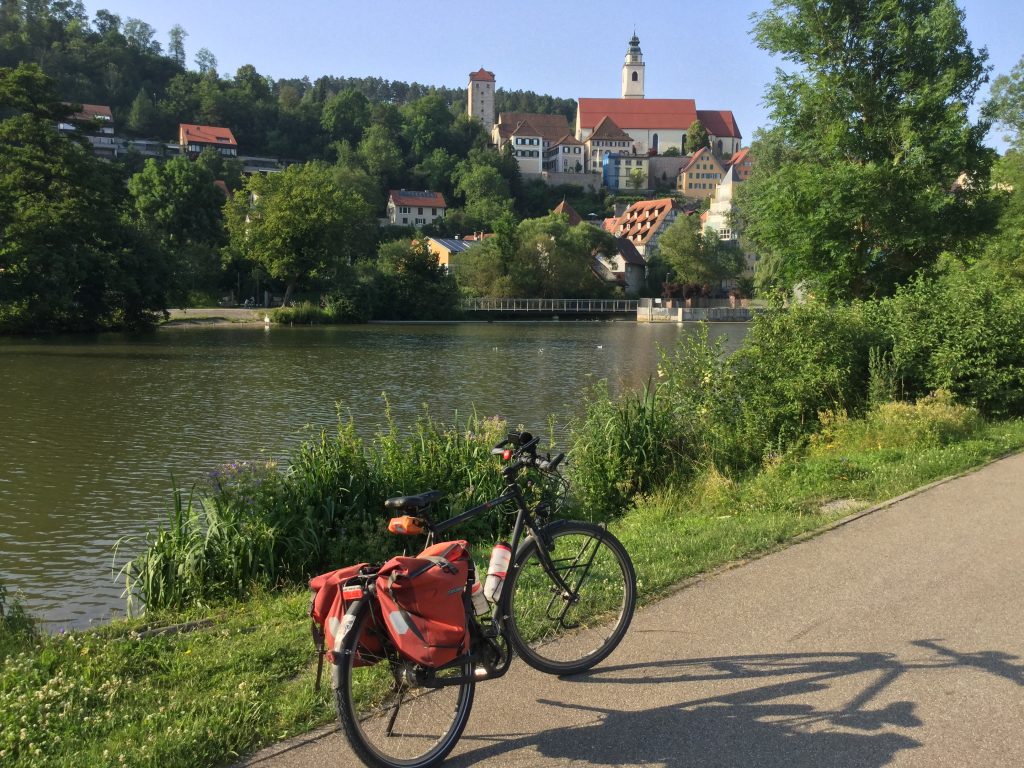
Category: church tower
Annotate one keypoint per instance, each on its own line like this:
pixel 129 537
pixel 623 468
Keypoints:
pixel 633 71
pixel 481 97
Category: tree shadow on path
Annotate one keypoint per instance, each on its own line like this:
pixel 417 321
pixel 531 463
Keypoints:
pixel 771 725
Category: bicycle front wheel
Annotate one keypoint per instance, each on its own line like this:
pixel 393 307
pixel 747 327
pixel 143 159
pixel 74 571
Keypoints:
pixel 391 719
pixel 566 632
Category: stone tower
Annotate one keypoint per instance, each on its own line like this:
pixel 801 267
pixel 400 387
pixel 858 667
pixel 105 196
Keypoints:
pixel 633 71
pixel 481 97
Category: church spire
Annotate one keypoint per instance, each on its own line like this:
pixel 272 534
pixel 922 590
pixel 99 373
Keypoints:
pixel 633 70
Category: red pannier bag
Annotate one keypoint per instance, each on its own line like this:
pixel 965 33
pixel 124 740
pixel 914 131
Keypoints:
pixel 332 596
pixel 422 603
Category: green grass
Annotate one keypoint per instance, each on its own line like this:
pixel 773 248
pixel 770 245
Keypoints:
pixel 206 696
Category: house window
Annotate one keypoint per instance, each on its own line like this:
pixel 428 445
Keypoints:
pixel 420 211
pixel 635 77
pixel 405 219
pixel 433 211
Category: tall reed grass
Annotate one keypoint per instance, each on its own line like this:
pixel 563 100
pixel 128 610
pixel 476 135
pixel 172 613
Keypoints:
pixel 258 525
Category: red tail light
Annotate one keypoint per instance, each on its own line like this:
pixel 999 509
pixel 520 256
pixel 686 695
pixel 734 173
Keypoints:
pixel 506 454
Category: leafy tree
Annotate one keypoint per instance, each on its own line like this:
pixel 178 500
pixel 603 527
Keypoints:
pixel 141 35
pixel 426 124
pixel 144 117
pixel 380 155
pixel 415 285
pixel 67 260
pixel 697 257
pixel 671 152
pixel 856 189
pixel 637 179
pixel 697 137
pixel 541 258
pixel 486 194
pixel 299 226
pixel 176 45
pixel 179 206
pixel 346 115
pixel 1005 105
pixel 205 61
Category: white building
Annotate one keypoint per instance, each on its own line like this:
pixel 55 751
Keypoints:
pixel 412 208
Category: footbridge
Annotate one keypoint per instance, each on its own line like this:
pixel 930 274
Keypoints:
pixel 546 308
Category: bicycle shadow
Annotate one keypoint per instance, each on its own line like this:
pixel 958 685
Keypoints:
pixel 771 725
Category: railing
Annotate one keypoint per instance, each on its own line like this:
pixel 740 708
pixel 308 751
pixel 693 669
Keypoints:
pixel 552 306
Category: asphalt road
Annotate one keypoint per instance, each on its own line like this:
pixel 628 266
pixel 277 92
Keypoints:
pixel 896 639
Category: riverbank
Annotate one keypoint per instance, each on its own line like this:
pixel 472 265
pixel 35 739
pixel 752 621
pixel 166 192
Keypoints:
pixel 129 694
pixel 214 316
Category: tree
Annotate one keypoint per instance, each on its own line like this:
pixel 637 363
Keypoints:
pixel 67 260
pixel 695 256
pixel 541 258
pixel 205 61
pixel 426 124
pixel 380 155
pixel 485 191
pixel 176 45
pixel 346 115
pixel 671 152
pixel 179 206
pixel 299 226
pixel 856 187
pixel 140 34
pixel 637 179
pixel 144 117
pixel 414 284
pixel 697 137
pixel 1005 105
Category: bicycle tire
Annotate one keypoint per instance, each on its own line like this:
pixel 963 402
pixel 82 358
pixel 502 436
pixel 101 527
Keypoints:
pixel 560 635
pixel 389 720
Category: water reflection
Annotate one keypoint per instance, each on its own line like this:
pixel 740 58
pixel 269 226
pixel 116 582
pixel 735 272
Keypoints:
pixel 96 430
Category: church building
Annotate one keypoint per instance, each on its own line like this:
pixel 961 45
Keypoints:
pixel 654 125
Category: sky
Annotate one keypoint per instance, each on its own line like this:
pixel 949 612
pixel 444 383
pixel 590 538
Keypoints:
pixel 692 50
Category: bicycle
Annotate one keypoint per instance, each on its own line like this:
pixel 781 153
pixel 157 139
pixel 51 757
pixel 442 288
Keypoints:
pixel 565 605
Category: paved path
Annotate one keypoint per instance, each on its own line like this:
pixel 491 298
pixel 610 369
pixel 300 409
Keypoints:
pixel 894 640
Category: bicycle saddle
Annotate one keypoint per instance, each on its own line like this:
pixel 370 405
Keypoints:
pixel 413 503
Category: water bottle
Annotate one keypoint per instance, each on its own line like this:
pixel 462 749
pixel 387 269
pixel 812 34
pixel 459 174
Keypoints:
pixel 480 606
pixel 501 556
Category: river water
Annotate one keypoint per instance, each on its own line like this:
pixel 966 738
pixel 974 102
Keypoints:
pixel 95 431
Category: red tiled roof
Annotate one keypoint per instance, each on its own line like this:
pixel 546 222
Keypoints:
pixel 643 219
pixel 567 139
pixel 606 129
pixel 568 210
pixel 206 134
pixel 482 74
pixel 638 113
pixel 719 122
pixel 610 224
pixel 427 199
pixel 738 157
pixel 656 114
pixel 549 127
pixel 94 112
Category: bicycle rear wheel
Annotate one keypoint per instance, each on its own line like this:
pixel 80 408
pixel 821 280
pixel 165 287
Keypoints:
pixel 563 634
pixel 391 720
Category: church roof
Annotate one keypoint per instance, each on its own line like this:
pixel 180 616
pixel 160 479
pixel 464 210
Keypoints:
pixel 482 74
pixel 719 122
pixel 656 114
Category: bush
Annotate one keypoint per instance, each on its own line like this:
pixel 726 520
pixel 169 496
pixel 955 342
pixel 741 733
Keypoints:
pixel 622 448
pixel 962 333
pixel 17 628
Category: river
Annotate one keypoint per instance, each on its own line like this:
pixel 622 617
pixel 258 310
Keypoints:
pixel 94 431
